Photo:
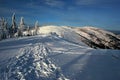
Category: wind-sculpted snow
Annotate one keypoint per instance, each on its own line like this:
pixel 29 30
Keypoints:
pixel 32 63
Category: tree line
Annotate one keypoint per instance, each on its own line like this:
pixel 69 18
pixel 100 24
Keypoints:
pixel 15 30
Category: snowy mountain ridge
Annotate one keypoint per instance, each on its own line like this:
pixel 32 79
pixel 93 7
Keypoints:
pixel 57 52
pixel 91 36
pixel 50 57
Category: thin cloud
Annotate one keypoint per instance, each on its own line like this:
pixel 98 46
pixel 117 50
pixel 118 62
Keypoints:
pixel 11 10
pixel 51 3
pixel 86 2
pixel 45 3
pixel 54 3
pixel 96 2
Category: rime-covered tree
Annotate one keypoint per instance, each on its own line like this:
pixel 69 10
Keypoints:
pixel 13 21
pixel 28 31
pixel 28 28
pixel 13 28
pixel 5 25
pixel 2 23
pixel 36 27
pixel 3 28
pixel 21 26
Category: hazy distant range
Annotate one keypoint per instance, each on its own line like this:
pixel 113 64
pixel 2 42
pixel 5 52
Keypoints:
pixel 115 31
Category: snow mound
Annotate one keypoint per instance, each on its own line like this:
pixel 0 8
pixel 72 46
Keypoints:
pixel 32 63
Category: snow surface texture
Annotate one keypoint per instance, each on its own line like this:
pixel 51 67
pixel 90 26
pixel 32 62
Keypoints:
pixel 53 57
pixel 32 63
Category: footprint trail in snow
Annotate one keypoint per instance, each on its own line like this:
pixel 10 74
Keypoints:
pixel 32 63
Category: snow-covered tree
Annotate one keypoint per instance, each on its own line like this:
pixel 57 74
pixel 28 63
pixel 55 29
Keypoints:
pixel 6 32
pixel 13 28
pixel 28 31
pixel 5 25
pixel 3 29
pixel 13 21
pixel 22 24
pixel 21 27
pixel 1 23
pixel 28 28
pixel 36 27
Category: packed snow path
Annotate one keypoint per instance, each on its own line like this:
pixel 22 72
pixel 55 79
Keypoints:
pixel 32 63
pixel 53 58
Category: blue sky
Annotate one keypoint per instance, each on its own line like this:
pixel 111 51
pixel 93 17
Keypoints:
pixel 99 13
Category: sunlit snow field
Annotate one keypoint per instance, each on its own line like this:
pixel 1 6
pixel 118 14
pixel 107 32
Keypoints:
pixel 76 61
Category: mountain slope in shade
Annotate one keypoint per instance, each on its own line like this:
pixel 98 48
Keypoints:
pixel 99 38
pixel 118 36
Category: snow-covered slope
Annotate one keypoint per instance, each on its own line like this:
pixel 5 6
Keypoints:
pixel 62 31
pixel 98 38
pixel 49 57
pixel 57 54
pixel 32 63
pixel 118 36
pixel 29 62
pixel 91 36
